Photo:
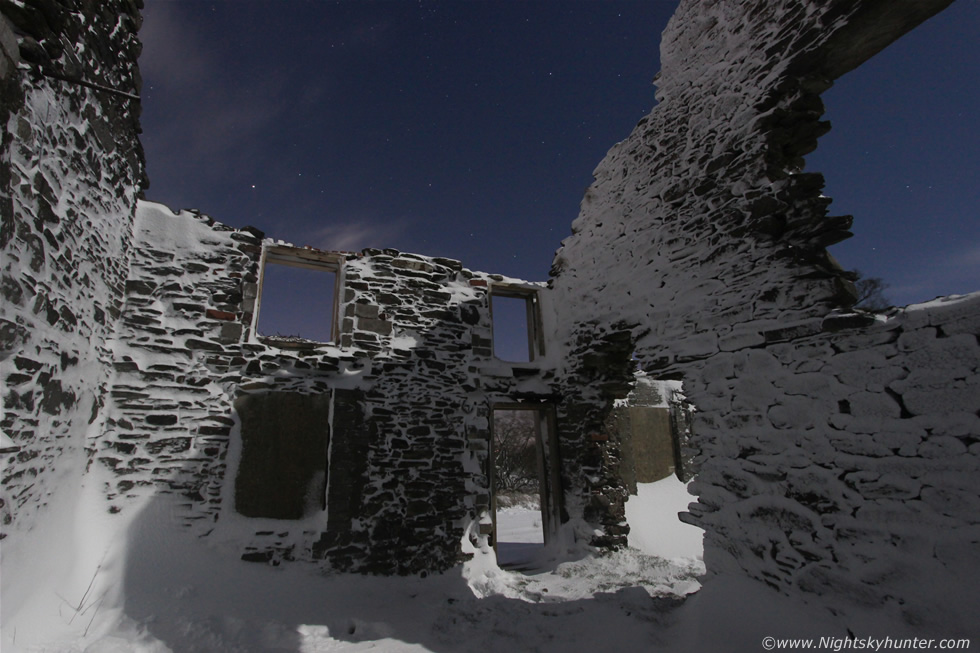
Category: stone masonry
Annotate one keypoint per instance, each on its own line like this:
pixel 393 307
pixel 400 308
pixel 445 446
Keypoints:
pixel 838 450
pixel 70 171
pixel 411 380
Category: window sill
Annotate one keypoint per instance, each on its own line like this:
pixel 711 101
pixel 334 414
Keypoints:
pixel 292 342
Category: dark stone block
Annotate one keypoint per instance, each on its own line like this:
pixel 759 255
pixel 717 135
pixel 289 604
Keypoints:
pixel 231 333
pixel 170 445
pixel 255 233
pixel 157 419
pixel 365 310
pixel 388 299
pixel 27 364
pixel 55 399
pixel 11 290
pixel 214 430
pixel 124 447
pixel 790 333
pixel 11 334
pixel 68 317
pixel 194 343
pixel 380 327
pixel 137 287
pixel 68 360
pixel 834 323
pixel 268 557
pixel 469 315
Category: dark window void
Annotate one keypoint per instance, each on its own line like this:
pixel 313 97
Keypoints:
pixel 297 298
pixel 516 325
pixel 282 471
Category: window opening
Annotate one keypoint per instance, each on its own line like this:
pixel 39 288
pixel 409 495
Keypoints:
pixel 516 332
pixel 524 482
pixel 904 164
pixel 298 297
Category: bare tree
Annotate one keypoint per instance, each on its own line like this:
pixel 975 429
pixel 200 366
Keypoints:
pixel 871 292
pixel 515 462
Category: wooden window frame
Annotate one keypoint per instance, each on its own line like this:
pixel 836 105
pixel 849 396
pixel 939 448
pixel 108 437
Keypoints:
pixel 532 299
pixel 308 259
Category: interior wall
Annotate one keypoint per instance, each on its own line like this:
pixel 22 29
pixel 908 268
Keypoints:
pixel 705 240
pixel 70 173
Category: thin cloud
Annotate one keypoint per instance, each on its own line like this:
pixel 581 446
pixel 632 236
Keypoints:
pixel 968 258
pixel 357 234
pixel 172 50
pixel 215 126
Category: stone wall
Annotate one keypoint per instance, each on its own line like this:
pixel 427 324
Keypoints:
pixel 175 356
pixel 410 382
pixel 838 450
pixel 823 435
pixel 845 462
pixel 70 172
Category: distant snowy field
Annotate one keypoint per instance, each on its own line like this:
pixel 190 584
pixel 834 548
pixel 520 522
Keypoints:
pixel 107 584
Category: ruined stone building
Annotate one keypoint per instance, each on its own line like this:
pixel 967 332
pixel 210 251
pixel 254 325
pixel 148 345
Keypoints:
pixel 837 451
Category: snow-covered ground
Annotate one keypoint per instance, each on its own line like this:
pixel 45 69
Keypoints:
pixel 654 526
pixel 108 584
pixel 520 535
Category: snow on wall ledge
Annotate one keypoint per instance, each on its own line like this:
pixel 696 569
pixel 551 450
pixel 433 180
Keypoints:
pixel 839 451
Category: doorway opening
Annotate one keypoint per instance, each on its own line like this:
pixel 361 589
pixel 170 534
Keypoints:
pixel 525 482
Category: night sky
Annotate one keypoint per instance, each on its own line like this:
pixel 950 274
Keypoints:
pixel 470 129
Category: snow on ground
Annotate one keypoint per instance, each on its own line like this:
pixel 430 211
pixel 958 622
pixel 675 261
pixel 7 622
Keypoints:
pixel 137 584
pixel 161 590
pixel 520 536
pixel 654 526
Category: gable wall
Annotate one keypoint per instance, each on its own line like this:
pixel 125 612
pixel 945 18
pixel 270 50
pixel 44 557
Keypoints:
pixel 838 451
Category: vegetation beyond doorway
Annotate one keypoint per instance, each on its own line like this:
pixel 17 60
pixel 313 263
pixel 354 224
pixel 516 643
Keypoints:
pixel 524 494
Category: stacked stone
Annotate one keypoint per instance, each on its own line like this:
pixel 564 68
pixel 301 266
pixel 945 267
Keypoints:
pixel 409 383
pixel 595 372
pixel 71 170
pixel 823 435
pixel 178 361
pixel 414 486
pixel 846 462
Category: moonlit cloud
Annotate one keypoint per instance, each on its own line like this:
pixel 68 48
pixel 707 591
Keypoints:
pixel 172 50
pixel 215 124
pixel 358 234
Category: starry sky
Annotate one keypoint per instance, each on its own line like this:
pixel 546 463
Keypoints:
pixel 470 129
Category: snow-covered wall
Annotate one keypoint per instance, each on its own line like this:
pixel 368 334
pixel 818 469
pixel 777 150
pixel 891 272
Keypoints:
pixel 168 412
pixel 846 462
pixel 838 450
pixel 70 172
pixel 410 382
